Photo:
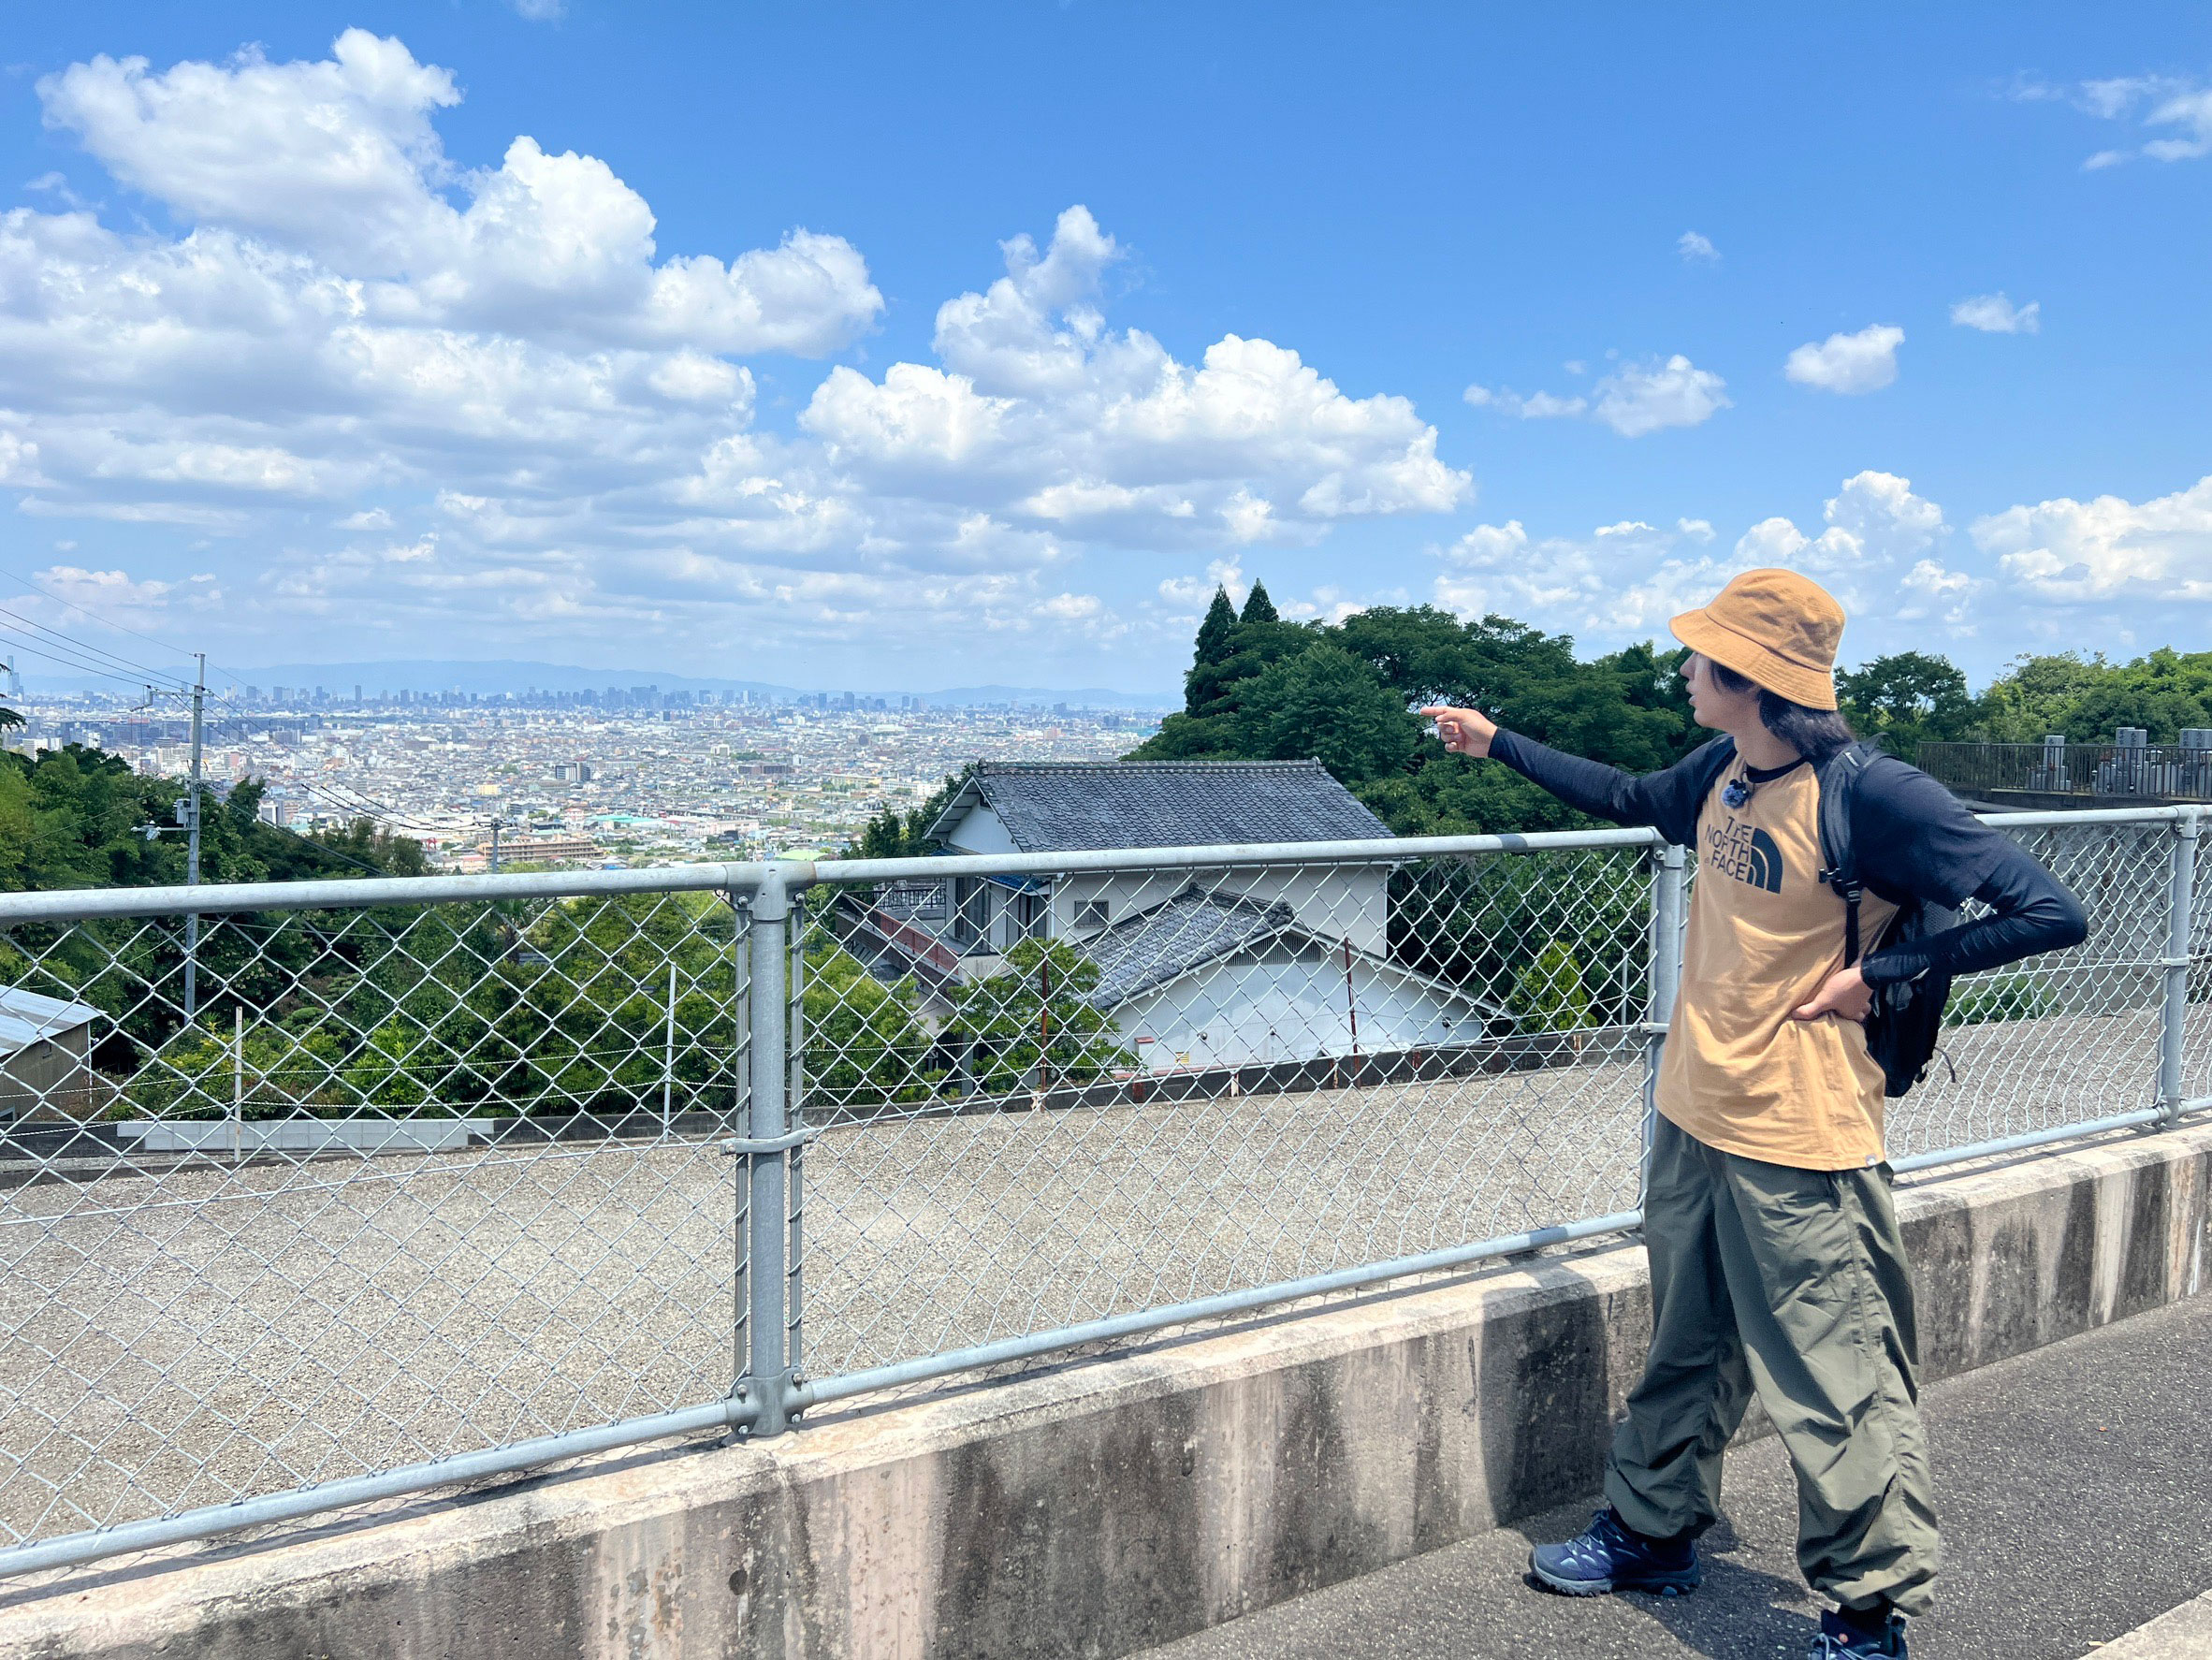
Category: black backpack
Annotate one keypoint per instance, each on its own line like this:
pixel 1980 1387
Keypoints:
pixel 1907 1016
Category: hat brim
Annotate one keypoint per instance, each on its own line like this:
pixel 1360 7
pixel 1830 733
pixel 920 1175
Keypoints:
pixel 1699 630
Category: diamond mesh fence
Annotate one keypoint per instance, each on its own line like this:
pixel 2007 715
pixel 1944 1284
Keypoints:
pixel 393 1183
pixel 398 1182
pixel 1048 1100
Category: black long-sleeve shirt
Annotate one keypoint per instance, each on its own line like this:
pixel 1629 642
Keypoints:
pixel 1914 840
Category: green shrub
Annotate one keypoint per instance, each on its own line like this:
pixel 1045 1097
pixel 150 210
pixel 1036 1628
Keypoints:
pixel 2001 996
pixel 1548 993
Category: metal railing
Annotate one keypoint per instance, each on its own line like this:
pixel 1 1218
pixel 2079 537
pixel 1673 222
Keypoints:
pixel 451 1177
pixel 2007 774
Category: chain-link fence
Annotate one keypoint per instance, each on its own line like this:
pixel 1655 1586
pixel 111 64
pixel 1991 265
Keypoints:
pixel 414 1181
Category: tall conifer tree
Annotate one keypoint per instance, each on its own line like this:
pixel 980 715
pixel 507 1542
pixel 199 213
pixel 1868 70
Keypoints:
pixel 1214 648
pixel 1257 607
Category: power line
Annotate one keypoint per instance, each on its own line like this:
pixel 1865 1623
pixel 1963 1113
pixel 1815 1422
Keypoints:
pixel 53 655
pixel 99 654
pixel 103 622
pixel 381 809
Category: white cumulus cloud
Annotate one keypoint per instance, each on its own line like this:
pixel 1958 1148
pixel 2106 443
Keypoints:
pixel 397 389
pixel 1641 398
pixel 1635 399
pixel 1848 363
pixel 2107 547
pixel 2176 110
pixel 338 161
pixel 1879 550
pixel 1695 247
pixel 1993 313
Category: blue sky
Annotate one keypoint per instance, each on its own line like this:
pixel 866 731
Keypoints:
pixel 691 337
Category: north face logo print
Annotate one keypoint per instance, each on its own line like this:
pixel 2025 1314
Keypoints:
pixel 1746 853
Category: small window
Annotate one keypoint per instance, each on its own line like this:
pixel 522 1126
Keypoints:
pixel 1090 915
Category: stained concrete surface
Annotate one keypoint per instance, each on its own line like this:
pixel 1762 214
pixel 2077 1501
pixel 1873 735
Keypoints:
pixel 2076 1494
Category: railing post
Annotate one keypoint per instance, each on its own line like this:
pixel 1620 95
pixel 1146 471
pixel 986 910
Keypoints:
pixel 765 1152
pixel 1668 881
pixel 2180 900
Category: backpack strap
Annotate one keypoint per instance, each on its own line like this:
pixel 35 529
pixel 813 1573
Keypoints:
pixel 1838 778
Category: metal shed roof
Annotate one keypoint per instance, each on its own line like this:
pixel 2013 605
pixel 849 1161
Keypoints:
pixel 27 1018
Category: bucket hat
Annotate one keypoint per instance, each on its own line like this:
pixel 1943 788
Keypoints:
pixel 1776 626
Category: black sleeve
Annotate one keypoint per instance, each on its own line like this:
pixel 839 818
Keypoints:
pixel 1668 799
pixel 1920 843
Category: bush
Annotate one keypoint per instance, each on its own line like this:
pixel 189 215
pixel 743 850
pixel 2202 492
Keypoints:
pixel 1549 995
pixel 2002 997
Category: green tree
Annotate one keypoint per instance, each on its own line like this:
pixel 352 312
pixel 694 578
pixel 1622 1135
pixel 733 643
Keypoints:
pixel 1326 704
pixel 1547 992
pixel 366 842
pixel 1211 649
pixel 891 834
pixel 2085 698
pixel 1906 699
pixel 1257 607
pixel 1484 922
pixel 864 1045
pixel 394 1067
pixel 1033 1022
pixel 286 1065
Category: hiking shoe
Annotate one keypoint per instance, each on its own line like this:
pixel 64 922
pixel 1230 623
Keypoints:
pixel 1841 1642
pixel 1606 1556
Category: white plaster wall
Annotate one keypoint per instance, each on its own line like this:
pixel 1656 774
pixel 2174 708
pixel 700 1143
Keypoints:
pixel 981 831
pixel 1339 903
pixel 1288 1007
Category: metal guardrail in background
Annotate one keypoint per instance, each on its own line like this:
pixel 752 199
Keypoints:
pixel 2055 772
pixel 453 1177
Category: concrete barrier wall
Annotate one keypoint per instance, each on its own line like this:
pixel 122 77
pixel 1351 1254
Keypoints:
pixel 1104 1507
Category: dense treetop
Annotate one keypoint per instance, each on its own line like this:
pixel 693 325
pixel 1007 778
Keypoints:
pixel 72 818
pixel 1260 688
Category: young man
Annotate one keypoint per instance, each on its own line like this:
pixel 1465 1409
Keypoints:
pixel 1776 1260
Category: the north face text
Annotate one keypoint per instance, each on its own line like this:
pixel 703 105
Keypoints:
pixel 1744 851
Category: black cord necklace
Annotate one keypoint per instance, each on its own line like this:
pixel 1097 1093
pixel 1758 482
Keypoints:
pixel 1737 791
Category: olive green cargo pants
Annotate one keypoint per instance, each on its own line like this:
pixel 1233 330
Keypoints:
pixel 1793 1282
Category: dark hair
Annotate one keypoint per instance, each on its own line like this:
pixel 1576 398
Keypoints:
pixel 1814 733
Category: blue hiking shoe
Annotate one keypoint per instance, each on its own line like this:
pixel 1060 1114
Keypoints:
pixel 1840 1641
pixel 1606 1556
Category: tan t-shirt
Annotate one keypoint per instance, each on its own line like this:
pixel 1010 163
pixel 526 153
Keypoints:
pixel 1739 1073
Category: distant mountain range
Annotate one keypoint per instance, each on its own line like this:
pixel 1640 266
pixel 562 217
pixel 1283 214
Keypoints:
pixel 339 679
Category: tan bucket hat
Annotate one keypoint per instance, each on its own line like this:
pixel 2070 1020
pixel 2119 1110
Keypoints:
pixel 1777 627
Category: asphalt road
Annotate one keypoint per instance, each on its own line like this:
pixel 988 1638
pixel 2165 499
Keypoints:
pixel 2075 1491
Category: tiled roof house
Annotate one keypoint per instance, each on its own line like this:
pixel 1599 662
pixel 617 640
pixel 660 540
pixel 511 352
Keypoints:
pixel 1261 960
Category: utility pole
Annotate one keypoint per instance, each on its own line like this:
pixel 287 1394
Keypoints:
pixel 494 866
pixel 200 691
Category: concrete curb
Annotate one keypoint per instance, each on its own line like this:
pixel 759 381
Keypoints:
pixel 2185 1633
pixel 1106 1508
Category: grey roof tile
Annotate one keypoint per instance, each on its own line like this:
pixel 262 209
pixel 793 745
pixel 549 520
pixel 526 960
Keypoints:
pixel 1156 946
pixel 1060 807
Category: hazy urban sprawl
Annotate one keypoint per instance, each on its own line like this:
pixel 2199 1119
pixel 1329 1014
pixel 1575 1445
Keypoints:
pixel 624 775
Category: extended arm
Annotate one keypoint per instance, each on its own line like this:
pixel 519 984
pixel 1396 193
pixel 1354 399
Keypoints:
pixel 1668 799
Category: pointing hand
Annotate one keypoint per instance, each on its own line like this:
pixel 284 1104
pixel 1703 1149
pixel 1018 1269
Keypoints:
pixel 1465 732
